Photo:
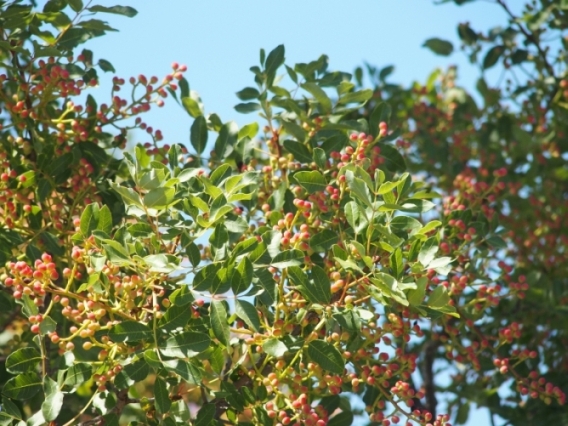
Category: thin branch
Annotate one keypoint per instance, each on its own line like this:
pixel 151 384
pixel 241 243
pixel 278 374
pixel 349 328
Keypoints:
pixel 531 38
pixel 427 372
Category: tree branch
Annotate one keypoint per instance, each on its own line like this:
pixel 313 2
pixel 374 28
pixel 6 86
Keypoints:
pixel 427 371
pixel 532 39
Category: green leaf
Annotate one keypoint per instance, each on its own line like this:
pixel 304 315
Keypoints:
pixel 9 409
pixel 345 418
pixel 22 360
pixel 317 289
pixel 185 345
pixel 116 253
pixel 95 218
pixel 242 276
pixel 319 94
pixel 496 242
pixel 205 415
pixel 288 258
pixel 226 140
pixel 30 179
pixel 390 287
pixel 186 370
pixel 219 322
pixel 117 10
pixel 326 356
pixel 428 251
pixel 312 181
pixel 396 263
pixel 320 157
pixel 430 226
pixel 323 240
pixel 129 331
pixel 294 130
pixel 162 400
pixel 381 113
pixel 352 213
pixel 405 224
pixel 249 130
pixel 492 56
pixel 78 374
pixel 43 189
pixel 198 134
pixel 76 5
pixel 206 277
pixel 248 107
pixel 159 198
pixel 438 298
pixel 248 313
pixel 106 66
pixel 23 386
pixel 462 414
pixel 466 34
pixel 320 285
pixel 274 347
pixel 519 56
pixel 298 150
pixel 248 93
pixel 394 160
pixel 356 97
pixel 137 371
pixel 441 265
pixel 266 280
pixel 129 196
pixel 160 263
pixel 192 106
pixel 51 406
pixel 439 46
pixel 175 317
pixel 37 420
pixel 416 296
pixel 359 188
pixel 274 61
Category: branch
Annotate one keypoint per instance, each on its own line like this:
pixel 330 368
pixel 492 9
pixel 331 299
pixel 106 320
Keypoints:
pixel 427 371
pixel 122 401
pixel 531 38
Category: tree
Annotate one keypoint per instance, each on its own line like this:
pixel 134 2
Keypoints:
pixel 285 271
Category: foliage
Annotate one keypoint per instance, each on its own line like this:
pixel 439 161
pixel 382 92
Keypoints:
pixel 306 266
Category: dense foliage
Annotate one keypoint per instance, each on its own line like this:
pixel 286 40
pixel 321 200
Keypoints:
pixel 323 265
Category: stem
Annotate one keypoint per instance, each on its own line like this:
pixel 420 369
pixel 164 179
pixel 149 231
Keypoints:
pixel 80 413
pixel 532 39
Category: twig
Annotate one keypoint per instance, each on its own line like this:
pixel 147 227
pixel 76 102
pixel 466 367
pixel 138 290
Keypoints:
pixel 427 372
pixel 531 38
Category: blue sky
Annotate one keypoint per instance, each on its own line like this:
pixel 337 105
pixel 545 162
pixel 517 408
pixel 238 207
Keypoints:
pixel 220 40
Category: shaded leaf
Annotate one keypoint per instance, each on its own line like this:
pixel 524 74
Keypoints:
pixel 326 356
pixel 218 316
pixel 319 94
pixel 129 331
pixel 248 313
pixel 198 134
pixel 51 406
pixel 185 345
pixel 22 360
pixel 492 56
pixel 312 181
pixel 117 10
pixel 274 347
pixel 439 46
pixel 23 386
pixel 162 400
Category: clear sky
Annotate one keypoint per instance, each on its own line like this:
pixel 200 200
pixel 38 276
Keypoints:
pixel 220 40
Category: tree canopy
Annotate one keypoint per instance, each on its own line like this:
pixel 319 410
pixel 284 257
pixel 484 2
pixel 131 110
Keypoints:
pixel 355 255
